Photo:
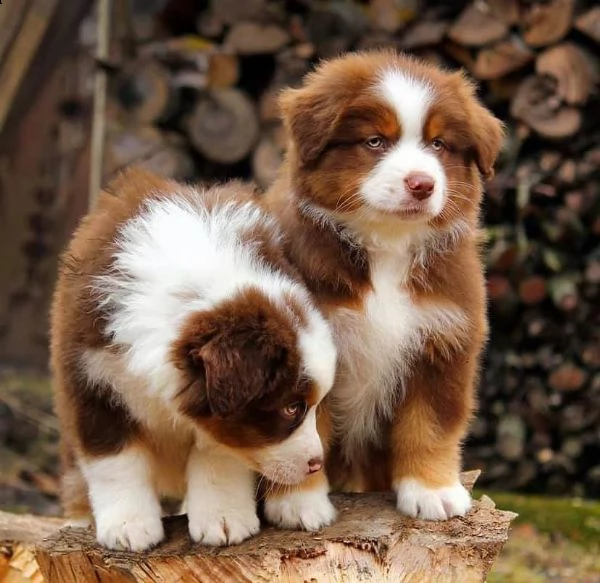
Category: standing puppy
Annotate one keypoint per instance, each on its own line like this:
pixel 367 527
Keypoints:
pixel 380 196
pixel 186 357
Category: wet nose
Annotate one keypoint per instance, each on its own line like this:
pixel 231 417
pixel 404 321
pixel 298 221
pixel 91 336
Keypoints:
pixel 419 185
pixel 315 464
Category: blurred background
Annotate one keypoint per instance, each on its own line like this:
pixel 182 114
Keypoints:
pixel 187 88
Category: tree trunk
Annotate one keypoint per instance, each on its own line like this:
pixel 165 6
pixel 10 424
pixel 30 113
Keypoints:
pixel 370 541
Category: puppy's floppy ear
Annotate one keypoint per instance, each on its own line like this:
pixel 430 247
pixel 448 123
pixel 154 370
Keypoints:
pixel 488 136
pixel 310 118
pixel 239 367
pixel 486 130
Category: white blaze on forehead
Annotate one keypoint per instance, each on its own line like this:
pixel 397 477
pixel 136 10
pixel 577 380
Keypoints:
pixel 410 99
pixel 384 187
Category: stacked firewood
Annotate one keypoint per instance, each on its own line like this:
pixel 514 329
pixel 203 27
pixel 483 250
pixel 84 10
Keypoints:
pixel 193 95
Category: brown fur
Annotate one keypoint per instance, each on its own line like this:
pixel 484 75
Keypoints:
pixel 328 119
pixel 239 362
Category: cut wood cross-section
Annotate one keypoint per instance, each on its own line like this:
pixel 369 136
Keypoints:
pixel 370 541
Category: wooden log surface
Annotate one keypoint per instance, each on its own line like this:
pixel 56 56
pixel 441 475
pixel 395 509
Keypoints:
pixel 370 541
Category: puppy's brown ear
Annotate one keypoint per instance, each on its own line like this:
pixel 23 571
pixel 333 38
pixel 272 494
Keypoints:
pixel 488 136
pixel 486 130
pixel 310 118
pixel 240 367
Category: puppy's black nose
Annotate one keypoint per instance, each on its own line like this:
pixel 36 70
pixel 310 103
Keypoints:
pixel 315 464
pixel 419 185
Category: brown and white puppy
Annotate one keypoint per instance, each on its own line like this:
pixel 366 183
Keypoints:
pixel 379 196
pixel 186 357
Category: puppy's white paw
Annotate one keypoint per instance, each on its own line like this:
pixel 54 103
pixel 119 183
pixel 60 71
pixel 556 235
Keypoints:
pixel 219 527
pixel 419 501
pixel 305 510
pixel 132 532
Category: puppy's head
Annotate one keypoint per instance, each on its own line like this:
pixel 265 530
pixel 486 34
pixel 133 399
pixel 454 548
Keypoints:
pixel 252 380
pixel 378 136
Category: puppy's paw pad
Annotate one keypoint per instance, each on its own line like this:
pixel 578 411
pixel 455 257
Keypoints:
pixel 300 510
pixel 219 529
pixel 132 533
pixel 416 500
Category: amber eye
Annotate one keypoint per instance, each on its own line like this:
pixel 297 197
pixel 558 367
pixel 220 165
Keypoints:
pixel 293 410
pixel 375 143
pixel 438 144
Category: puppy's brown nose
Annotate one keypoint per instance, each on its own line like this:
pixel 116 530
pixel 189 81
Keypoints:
pixel 315 464
pixel 419 185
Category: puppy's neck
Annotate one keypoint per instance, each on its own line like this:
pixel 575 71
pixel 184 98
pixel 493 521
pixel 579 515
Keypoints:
pixel 376 236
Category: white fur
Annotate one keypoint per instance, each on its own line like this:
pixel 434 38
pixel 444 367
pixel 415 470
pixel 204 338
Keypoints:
pixel 416 500
pixel 377 346
pixel 305 509
pixel 174 258
pixel 126 509
pixel 287 462
pixel 383 189
pixel 220 501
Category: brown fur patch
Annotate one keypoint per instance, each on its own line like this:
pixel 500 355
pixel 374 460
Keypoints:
pixel 241 368
pixel 246 368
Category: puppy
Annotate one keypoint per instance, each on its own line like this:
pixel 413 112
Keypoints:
pixel 186 357
pixel 379 196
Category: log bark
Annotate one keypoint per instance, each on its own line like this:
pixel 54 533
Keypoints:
pixel 370 541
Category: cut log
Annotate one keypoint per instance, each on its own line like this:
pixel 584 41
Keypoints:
pixel 575 71
pixel 424 33
pixel 501 58
pixel 145 146
pixel 251 38
pixel 392 15
pixel 548 22
pixel 232 11
pixel 477 26
pixel 224 126
pixel 333 27
pixel 589 23
pixel 145 93
pixel 370 542
pixel 506 10
pixel 537 104
pixel 267 158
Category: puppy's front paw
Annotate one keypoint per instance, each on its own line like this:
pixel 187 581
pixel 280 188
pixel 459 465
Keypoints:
pixel 225 526
pixel 132 532
pixel 304 510
pixel 419 501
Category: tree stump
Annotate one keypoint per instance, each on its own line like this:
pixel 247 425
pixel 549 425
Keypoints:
pixel 370 541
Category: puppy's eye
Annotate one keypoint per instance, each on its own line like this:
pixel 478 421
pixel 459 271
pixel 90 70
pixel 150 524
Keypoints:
pixel 375 143
pixel 293 411
pixel 438 144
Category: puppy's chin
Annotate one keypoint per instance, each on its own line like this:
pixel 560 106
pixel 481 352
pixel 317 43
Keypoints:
pixel 284 474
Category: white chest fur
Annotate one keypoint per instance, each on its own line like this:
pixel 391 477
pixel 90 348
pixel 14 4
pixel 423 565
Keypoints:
pixel 376 346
